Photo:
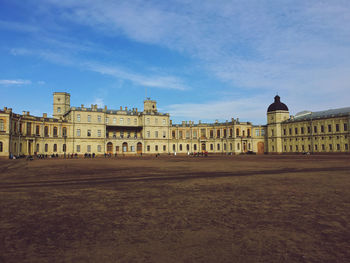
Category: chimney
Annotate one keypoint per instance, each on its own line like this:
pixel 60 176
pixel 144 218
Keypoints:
pixel 216 121
pixel 121 108
pixel 126 108
pixel 199 122
pixel 5 108
pixel 171 122
pixel 44 115
pixel 105 107
pixel 27 113
pixel 136 109
pixel 82 106
pixel 23 113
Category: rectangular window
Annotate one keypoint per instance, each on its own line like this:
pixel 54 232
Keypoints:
pixel 78 117
pixel 88 149
pixel 195 134
pixel 290 131
pixel 148 148
pixel 323 148
pixel 338 147
pixel 156 148
pixel 308 129
pixel 316 147
pixel 121 134
pixel 78 132
pixel 337 127
pixel 188 134
pixel 315 129
pixel 322 128
pixel 180 134
pixel 114 120
pixel 262 132
pixel 148 134
pixel 164 121
pixel 345 126
pixel 211 133
pixel 135 121
pixel 173 134
pixel 156 121
pixel 346 146
pixel 329 128
pixel 164 134
pixel 89 118
pixel 58 109
pixel 302 130
pixel 107 120
pixel 99 148
pixel 284 131
pixel 164 148
pixel 296 130
pixel 99 118
pixel 99 133
pixel 156 134
pixel 148 121
pixel 132 148
pixel 89 133
pixel 203 133
pixel 121 121
pixel 129 121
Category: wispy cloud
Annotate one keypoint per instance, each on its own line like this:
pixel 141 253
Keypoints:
pixel 17 26
pixel 14 82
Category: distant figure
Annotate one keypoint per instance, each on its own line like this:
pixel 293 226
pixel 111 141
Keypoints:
pixel 175 153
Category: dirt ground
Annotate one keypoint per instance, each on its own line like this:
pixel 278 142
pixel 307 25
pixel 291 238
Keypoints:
pixel 176 209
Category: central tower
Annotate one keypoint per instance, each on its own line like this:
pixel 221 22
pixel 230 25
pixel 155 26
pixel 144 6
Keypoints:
pixel 149 106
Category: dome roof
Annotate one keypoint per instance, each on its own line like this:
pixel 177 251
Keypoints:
pixel 277 105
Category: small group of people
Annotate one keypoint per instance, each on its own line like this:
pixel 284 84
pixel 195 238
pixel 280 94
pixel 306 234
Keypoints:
pixel 89 155
pixel 204 153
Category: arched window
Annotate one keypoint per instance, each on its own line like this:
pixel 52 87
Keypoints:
pixel 2 125
pixel 64 148
pixel 55 131
pixel 187 147
pixel 46 147
pixel 195 147
pixel 174 147
pixel 237 132
pixel 55 147
pixel 46 131
pixel 64 131
pixel 20 147
pixel 1 147
pixel 180 147
pixel 218 147
pixel 37 130
pixel 37 147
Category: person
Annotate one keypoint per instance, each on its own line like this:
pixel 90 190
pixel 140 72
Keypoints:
pixel 175 153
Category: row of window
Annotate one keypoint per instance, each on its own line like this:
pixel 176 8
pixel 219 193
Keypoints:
pixel 219 133
pixel 2 125
pixel 114 120
pixel 323 147
pixel 318 137
pixel 19 129
pixel 156 134
pixel 315 129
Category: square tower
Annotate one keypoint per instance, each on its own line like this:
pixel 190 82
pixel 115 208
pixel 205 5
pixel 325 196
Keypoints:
pixel 149 106
pixel 61 104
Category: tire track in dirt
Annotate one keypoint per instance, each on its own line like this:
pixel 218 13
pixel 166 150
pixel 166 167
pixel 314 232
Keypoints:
pixel 152 177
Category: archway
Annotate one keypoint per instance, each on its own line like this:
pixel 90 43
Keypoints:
pixel 260 147
pixel 203 147
pixel 139 148
pixel 110 148
pixel 125 147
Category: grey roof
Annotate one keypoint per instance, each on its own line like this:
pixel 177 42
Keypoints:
pixel 331 113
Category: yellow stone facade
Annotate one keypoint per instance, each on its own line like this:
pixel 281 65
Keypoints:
pixel 80 130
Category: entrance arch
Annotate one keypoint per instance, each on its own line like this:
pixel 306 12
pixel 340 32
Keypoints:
pixel 125 147
pixel 110 147
pixel 260 147
pixel 203 147
pixel 139 148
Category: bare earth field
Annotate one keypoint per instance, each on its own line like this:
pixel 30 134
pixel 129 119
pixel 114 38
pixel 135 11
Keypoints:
pixel 176 209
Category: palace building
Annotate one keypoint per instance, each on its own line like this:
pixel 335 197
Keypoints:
pixel 80 130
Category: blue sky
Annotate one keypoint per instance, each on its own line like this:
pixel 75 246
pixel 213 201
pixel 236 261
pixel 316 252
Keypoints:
pixel 201 60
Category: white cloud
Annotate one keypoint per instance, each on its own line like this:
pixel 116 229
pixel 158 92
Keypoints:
pixel 14 82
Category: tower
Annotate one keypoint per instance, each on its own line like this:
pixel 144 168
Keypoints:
pixel 61 104
pixel 276 114
pixel 149 106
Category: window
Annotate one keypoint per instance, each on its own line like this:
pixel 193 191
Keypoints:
pixel 78 148
pixel 156 121
pixel 148 148
pixel 290 131
pixel 1 147
pixel 148 134
pixel 337 127
pixel 237 132
pixel 211 133
pixel 64 148
pixel 203 133
pixel 156 134
pixel 284 131
pixel 88 148
pixel 99 118
pixel 99 148
pixel 37 130
pixel 121 121
pixel 64 131
pixel 114 120
pixel 230 146
pixel 55 131
pixel 78 132
pixel 315 129
pixel 330 147
pixel 345 126
pixel 132 148
pixel 78 117
pixel 89 133
pixel 296 148
pixel 173 134
pixel 302 130
pixel 164 134
pixel 329 128
pixel 128 134
pixel 231 132
pixel 225 133
pixel 218 147
pixel 346 146
pixel 46 147
pixel 37 147
pixel 174 147
pixel 46 131
pixel 135 121
pixel 211 147
pixel 218 133
pixel 89 118
pixel 180 147
pixel 338 147
pixel 195 147
pixel 315 147
pixel 148 121
pixel 107 120
pixel 58 109
pixel 272 132
pixel 156 148
pixel 188 134
pixel 308 129
pixel 164 148
pixel 225 146
pixel 194 134
pixel 55 147
pixel 180 134
pixel 129 121
pixel 187 147
pixel 99 133
pixel 238 146
pixel 323 148
pixel 164 121
pixel 296 130
pixel 322 128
